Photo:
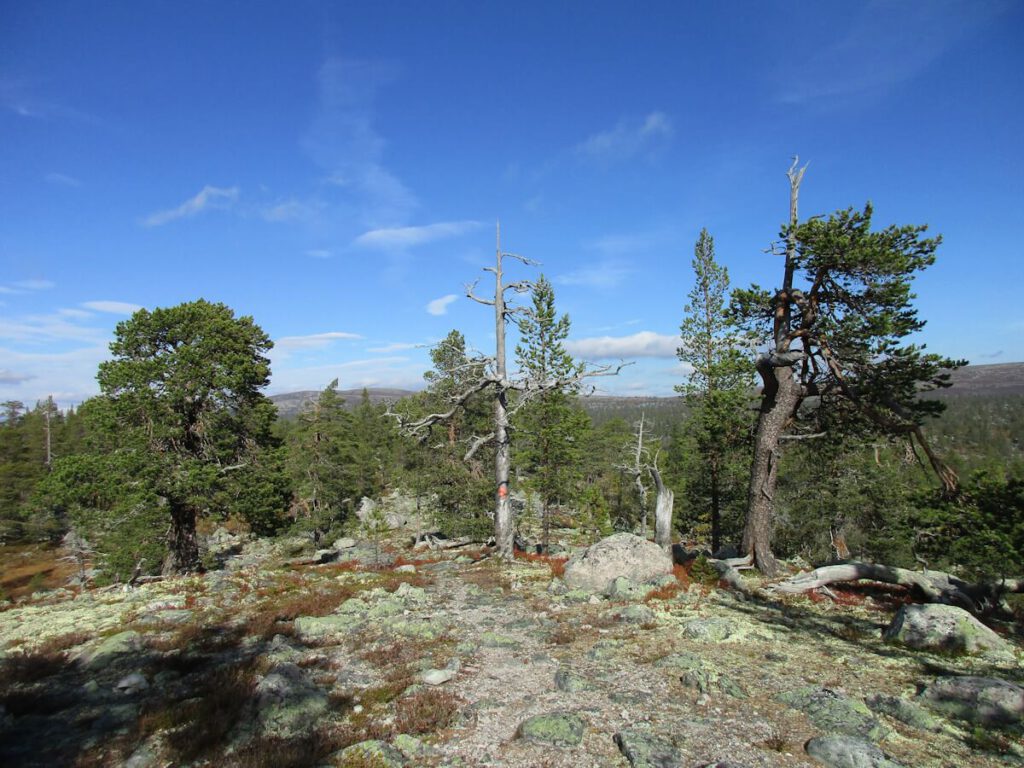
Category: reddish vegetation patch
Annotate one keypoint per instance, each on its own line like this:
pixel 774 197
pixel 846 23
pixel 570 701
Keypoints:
pixel 414 561
pixel 25 569
pixel 886 597
pixel 554 562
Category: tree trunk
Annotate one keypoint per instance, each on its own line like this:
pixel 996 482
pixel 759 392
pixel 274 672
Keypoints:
pixel 504 536
pixel 183 543
pixel 779 400
pixel 662 513
pixel 716 507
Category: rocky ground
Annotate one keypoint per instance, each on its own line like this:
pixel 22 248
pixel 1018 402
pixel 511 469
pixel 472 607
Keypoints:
pixel 456 659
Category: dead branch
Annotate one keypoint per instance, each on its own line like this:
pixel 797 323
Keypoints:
pixel 935 586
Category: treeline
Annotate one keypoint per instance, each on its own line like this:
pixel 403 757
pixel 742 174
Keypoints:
pixel 835 456
pixel 873 497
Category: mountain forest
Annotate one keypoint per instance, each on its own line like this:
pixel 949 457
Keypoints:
pixel 505 568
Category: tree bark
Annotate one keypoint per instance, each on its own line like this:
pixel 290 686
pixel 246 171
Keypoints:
pixel 780 398
pixel 779 401
pixel 184 545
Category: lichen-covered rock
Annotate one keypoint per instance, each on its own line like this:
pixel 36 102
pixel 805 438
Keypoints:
pixel 561 729
pixel 622 588
pixel 848 752
pixel 946 628
pixel 288 703
pixel 835 713
pixel 319 628
pixel 621 555
pixel 710 630
pixel 571 682
pixel 905 711
pixel 637 614
pixel 986 701
pixel 109 649
pixel 643 749
pixel 495 640
pixel 379 754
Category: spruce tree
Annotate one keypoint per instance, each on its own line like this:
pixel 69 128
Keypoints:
pixel 550 425
pixel 717 391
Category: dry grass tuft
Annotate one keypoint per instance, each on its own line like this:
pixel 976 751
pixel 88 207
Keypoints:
pixel 426 711
pixel 555 563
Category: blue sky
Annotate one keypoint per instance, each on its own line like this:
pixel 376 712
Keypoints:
pixel 335 170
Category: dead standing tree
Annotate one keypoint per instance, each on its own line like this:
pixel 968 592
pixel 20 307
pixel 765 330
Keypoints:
pixel 643 463
pixel 493 375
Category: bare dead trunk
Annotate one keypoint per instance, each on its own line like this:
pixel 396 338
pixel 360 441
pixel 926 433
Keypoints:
pixel 504 536
pixel 662 512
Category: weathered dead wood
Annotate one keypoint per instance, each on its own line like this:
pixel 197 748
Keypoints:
pixel 934 586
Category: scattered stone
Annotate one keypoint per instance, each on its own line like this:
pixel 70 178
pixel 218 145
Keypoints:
pixel 711 630
pixel 571 682
pixel 322 556
pixel 835 713
pixel 645 750
pixel 344 543
pixel 406 569
pixel 557 587
pixel 683 661
pixel 848 752
pixel 948 629
pixel 637 614
pixel 411 747
pixel 441 676
pixel 986 701
pixel 905 711
pixel 561 729
pixel 622 554
pixel 132 683
pixel 379 754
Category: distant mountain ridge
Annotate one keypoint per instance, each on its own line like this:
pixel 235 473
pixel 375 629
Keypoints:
pixel 994 380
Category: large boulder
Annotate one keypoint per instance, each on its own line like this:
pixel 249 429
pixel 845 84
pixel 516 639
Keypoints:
pixel 620 556
pixel 985 701
pixel 948 629
pixel 397 510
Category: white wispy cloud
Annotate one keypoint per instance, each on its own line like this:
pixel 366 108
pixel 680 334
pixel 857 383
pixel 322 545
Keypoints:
pixel 208 198
pixel 55 328
pixel 292 210
pixel 112 307
pixel 642 344
pixel 344 141
pixel 398 346
pixel 398 238
pixel 313 340
pixel 318 253
pixel 833 72
pixel 27 286
pixel 13 377
pixel 440 306
pixel 628 138
pixel 398 372
pixel 605 274
pixel 69 376
pixel 62 179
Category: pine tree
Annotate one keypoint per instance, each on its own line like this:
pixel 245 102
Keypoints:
pixel 718 390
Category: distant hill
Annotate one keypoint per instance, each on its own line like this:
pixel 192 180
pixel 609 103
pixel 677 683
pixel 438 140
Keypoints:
pixel 291 404
pixel 999 380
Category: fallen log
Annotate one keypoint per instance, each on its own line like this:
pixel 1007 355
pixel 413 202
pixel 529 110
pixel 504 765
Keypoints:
pixel 980 599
